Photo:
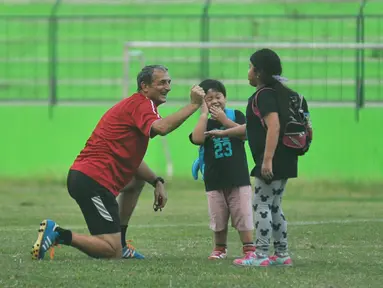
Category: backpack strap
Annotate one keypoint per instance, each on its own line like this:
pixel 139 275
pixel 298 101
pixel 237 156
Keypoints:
pixel 306 114
pixel 230 113
pixel 255 105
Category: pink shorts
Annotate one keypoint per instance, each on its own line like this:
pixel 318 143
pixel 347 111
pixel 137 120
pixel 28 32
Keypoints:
pixel 237 203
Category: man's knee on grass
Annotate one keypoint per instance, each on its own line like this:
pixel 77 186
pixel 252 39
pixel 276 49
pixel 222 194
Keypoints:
pixel 114 242
pixel 107 246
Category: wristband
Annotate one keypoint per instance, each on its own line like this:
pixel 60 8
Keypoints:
pixel 158 179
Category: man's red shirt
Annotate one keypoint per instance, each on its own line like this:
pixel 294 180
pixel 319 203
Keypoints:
pixel 119 142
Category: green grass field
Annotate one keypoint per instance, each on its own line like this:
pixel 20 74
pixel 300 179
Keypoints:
pixel 335 229
pixel 90 48
pixel 335 232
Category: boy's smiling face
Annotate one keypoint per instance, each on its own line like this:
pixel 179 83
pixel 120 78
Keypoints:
pixel 215 99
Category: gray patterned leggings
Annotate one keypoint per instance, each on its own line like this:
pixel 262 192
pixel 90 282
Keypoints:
pixel 268 216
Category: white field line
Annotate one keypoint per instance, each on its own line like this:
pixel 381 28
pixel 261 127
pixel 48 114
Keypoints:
pixel 246 19
pixel 145 2
pixel 89 39
pixel 93 36
pixel 175 59
pixel 175 103
pixel 181 225
pixel 180 81
pixel 171 103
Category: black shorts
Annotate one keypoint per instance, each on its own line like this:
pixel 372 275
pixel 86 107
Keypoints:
pixel 98 204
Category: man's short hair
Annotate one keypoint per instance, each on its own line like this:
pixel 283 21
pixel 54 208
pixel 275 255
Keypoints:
pixel 214 85
pixel 146 74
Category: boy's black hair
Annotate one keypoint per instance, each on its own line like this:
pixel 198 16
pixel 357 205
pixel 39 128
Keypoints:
pixel 214 85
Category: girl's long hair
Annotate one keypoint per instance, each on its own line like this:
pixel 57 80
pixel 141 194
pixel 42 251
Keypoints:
pixel 268 64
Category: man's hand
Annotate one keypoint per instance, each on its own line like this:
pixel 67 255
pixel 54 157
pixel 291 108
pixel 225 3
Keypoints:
pixel 197 95
pixel 160 196
pixel 218 114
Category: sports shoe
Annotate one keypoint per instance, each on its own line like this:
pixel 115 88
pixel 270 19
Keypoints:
pixel 46 239
pixel 252 259
pixel 218 254
pixel 280 260
pixel 129 252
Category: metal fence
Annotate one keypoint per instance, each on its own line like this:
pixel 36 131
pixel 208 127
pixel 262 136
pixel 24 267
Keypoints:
pixel 80 58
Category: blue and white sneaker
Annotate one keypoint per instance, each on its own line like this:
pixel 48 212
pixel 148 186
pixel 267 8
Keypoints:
pixel 129 252
pixel 46 239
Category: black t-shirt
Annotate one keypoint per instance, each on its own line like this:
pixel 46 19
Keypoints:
pixel 225 158
pixel 285 162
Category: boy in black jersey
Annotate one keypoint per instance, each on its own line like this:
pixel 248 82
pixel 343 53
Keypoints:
pixel 226 175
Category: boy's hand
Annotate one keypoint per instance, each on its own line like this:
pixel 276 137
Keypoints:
pixel 218 114
pixel 204 109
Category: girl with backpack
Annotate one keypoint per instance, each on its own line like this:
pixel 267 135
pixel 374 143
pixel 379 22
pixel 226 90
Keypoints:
pixel 278 130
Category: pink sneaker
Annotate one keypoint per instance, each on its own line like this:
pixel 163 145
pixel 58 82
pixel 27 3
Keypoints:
pixel 280 260
pixel 252 259
pixel 218 254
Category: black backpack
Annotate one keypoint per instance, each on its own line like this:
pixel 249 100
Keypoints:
pixel 296 129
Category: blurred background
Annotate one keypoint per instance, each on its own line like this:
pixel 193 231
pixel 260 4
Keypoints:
pixel 64 63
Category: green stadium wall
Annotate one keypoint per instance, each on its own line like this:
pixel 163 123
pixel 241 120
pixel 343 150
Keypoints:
pixel 34 145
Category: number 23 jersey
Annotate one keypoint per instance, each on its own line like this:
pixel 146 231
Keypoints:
pixel 225 158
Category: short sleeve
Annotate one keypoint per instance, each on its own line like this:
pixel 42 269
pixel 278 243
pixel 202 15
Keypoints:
pixel 267 102
pixel 191 138
pixel 145 115
pixel 208 128
pixel 240 117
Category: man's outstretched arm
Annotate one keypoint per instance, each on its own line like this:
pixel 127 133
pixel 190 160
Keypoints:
pixel 170 123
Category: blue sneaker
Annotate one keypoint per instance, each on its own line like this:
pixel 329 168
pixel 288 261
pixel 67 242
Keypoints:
pixel 129 252
pixel 46 239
